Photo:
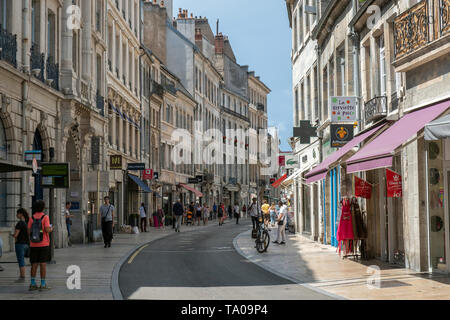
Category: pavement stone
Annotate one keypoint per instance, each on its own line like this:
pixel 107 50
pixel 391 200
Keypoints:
pixel 320 267
pixel 96 264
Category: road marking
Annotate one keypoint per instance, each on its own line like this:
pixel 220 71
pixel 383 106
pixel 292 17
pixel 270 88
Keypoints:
pixel 136 253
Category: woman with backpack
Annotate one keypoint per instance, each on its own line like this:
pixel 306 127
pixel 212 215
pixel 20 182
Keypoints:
pixel 221 213
pixel 22 245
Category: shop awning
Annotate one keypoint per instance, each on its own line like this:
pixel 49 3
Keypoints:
pixel 140 183
pixel 379 152
pixel 6 167
pixel 438 129
pixel 277 183
pixel 195 191
pixel 320 172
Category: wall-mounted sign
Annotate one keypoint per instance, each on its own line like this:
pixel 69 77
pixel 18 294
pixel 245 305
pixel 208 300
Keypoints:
pixel 340 134
pixel 115 162
pixel 33 154
pixel 281 161
pixel 192 181
pixel 343 109
pixel 136 167
pixel 147 174
pixel 55 175
pixel 394 184
pixel 363 189
pixel 95 150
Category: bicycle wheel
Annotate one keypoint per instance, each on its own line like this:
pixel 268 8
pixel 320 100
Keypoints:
pixel 266 240
pixel 260 242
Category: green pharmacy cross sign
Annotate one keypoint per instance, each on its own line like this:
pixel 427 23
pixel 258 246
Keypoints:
pixel 305 132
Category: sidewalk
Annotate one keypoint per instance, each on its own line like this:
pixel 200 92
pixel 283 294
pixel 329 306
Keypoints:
pixel 96 264
pixel 319 266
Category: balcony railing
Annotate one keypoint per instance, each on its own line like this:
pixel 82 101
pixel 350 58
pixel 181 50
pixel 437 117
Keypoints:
pixel 445 16
pixel 37 61
pixel 411 29
pixel 53 73
pixel 8 47
pixel 260 107
pixel 100 102
pixel 157 88
pixel 375 109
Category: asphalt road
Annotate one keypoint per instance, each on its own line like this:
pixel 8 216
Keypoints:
pixel 203 265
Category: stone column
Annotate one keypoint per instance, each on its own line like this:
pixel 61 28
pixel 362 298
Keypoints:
pixel 139 148
pixel 133 141
pixel 127 63
pixel 113 129
pixel 66 49
pixel 133 69
pixel 121 57
pixel 121 128
pixel 127 137
pixel 86 52
pixel 113 48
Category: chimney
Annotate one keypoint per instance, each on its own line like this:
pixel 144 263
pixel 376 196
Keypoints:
pixel 219 43
pixel 198 35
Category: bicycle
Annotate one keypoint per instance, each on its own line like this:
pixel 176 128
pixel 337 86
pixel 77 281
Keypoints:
pixel 263 237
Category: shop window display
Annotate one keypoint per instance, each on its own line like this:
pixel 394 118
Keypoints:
pixel 436 204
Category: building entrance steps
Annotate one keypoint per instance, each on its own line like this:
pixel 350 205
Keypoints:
pixel 320 267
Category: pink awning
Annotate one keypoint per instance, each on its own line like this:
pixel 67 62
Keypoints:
pixel 195 191
pixel 379 152
pixel 320 172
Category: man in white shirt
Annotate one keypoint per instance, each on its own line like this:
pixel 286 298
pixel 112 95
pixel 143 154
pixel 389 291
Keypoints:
pixel 281 220
pixel 143 214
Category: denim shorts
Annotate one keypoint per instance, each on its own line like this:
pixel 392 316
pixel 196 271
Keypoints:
pixel 20 253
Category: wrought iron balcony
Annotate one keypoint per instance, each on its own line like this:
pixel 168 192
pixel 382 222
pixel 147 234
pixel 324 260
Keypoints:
pixel 8 47
pixel 37 61
pixel 375 109
pixel 100 103
pixel 445 16
pixel 411 29
pixel 157 88
pixel 53 73
pixel 260 107
pixel 170 88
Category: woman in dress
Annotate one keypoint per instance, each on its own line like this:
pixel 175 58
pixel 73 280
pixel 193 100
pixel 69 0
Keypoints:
pixel 205 212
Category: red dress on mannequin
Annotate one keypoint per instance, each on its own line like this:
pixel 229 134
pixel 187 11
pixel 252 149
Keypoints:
pixel 345 229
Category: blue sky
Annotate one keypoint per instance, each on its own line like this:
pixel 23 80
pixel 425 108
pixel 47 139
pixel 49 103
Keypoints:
pixel 261 38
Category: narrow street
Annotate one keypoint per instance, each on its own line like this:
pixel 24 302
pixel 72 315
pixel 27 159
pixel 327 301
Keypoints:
pixel 203 265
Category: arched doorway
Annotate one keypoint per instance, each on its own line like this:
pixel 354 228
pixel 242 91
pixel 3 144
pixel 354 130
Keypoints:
pixel 38 146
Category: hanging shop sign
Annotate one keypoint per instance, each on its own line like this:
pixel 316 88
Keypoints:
pixel 95 150
pixel 292 162
pixel 136 167
pixel 55 175
pixel 281 161
pixel 147 174
pixel 192 181
pixel 115 162
pixel 363 189
pixel 305 132
pixel 343 109
pixel 341 134
pixel 394 184
pixel 33 154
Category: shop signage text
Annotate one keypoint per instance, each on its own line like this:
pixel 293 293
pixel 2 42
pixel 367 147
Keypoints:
pixel 281 161
pixel 147 174
pixel 394 184
pixel 115 162
pixel 343 109
pixel 363 189
pixel 136 167
pixel 192 181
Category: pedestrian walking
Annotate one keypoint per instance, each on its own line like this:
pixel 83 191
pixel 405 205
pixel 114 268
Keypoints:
pixel 161 217
pixel 244 211
pixel 107 215
pixel 273 214
pixel 281 220
pixel 254 212
pixel 221 213
pixel 198 214
pixel 68 222
pixel 205 214
pixel 214 211
pixel 237 212
pixel 22 241
pixel 178 212
pixel 265 210
pixel 230 212
pixel 143 215
pixel 39 228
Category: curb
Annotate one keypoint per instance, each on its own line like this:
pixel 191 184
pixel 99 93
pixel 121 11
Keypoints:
pixel 287 277
pixel 115 289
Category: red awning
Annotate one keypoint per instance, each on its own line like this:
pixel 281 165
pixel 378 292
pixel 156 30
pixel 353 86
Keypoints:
pixel 277 183
pixel 197 193
pixel 379 152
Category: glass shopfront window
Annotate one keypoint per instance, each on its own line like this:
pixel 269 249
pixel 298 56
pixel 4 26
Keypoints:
pixel 436 196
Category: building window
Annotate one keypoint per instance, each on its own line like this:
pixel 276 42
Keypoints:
pixel 325 93
pixel 295 33
pixel 302 101
pixel 382 67
pixel 75 51
pixel 35 22
pixel 308 98
pixel 51 35
pixel 341 87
